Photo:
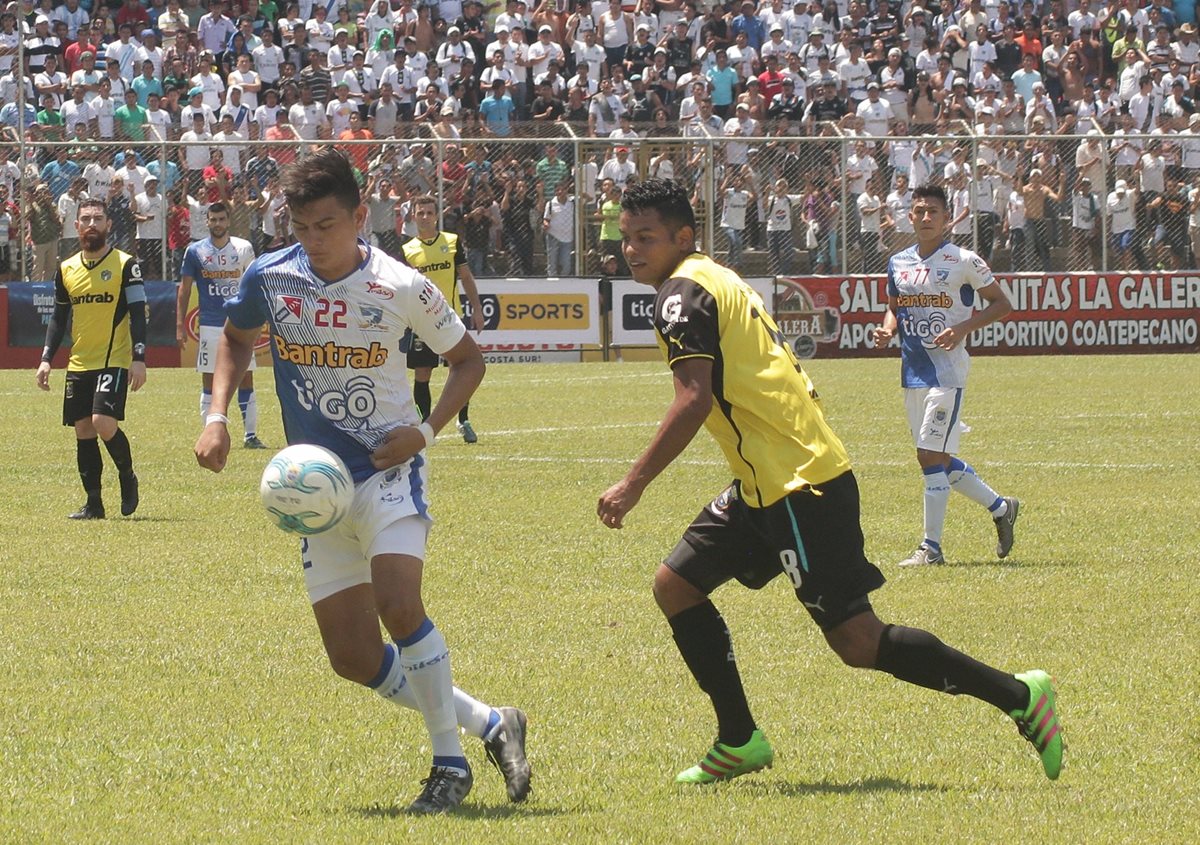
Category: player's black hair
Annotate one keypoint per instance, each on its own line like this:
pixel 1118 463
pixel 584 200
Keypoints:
pixel 326 173
pixel 91 202
pixel 935 192
pixel 218 208
pixel 669 198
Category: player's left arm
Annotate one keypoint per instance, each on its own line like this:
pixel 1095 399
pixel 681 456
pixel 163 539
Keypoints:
pixel 467 279
pixel 466 372
pixel 692 378
pixel 135 297
pixel 998 307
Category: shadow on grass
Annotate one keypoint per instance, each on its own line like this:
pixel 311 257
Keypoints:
pixel 789 789
pixel 1014 563
pixel 469 811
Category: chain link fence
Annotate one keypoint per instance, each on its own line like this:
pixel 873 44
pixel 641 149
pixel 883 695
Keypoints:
pixel 545 201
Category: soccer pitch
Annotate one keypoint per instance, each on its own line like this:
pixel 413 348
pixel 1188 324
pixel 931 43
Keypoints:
pixel 163 680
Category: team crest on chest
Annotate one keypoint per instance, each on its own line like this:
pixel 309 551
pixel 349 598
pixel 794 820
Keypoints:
pixel 106 275
pixel 287 309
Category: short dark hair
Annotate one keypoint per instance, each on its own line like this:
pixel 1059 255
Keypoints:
pixel 669 198
pixel 327 173
pixel 218 208
pixel 931 192
pixel 91 202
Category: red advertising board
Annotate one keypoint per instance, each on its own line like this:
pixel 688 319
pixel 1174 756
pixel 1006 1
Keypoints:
pixel 1075 313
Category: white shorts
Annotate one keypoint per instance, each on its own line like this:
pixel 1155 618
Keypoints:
pixel 934 417
pixel 390 516
pixel 206 349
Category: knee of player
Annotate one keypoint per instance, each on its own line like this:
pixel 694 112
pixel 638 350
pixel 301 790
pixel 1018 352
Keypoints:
pixel 400 614
pixel 104 425
pixel 672 593
pixel 856 641
pixel 352 662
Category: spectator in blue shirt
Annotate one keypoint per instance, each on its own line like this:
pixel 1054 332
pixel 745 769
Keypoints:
pixel 146 84
pixel 497 111
pixel 749 23
pixel 10 116
pixel 58 174
pixel 724 81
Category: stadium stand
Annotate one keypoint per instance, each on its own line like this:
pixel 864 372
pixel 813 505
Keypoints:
pixel 1066 132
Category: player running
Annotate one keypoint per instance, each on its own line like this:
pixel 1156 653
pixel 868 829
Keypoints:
pixel 438 256
pixel 793 506
pixel 931 299
pixel 99 290
pixel 336 310
pixel 215 265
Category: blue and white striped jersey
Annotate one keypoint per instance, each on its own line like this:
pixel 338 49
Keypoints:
pixel 340 377
pixel 933 294
pixel 216 273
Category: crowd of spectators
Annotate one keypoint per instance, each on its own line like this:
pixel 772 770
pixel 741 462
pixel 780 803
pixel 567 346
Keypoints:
pixel 825 116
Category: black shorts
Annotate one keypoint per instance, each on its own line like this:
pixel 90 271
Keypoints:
pixel 95 392
pixel 813 535
pixel 419 355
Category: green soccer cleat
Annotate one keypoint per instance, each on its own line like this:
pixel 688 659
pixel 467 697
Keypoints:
pixel 1038 722
pixel 725 762
pixel 467 432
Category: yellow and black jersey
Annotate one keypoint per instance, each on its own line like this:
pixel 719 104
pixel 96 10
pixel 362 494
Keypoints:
pixel 98 294
pixel 438 260
pixel 765 414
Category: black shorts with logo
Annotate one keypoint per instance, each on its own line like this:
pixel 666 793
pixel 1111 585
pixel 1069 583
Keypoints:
pixel 95 392
pixel 419 355
pixel 813 535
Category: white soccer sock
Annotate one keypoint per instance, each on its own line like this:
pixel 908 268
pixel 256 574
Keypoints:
pixel 205 404
pixel 474 717
pixel 937 496
pixel 964 480
pixel 425 659
pixel 248 402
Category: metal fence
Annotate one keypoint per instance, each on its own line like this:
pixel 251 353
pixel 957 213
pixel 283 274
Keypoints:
pixel 766 205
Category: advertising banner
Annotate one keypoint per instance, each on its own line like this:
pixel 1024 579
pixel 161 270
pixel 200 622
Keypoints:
pixel 525 315
pixel 31 304
pixel 1074 313
pixel 633 309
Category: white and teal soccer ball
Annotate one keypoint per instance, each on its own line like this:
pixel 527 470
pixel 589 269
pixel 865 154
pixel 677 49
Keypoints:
pixel 306 489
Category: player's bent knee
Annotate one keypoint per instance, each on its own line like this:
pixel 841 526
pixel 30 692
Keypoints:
pixel 353 663
pixel 856 641
pixel 105 426
pixel 400 614
pixel 672 593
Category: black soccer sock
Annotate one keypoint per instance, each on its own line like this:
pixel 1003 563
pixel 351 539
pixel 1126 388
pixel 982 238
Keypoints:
pixel 462 413
pixel 87 456
pixel 423 398
pixel 920 658
pixel 703 640
pixel 118 449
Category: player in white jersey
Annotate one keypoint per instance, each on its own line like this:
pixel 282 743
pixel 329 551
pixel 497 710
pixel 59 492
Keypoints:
pixel 216 265
pixel 336 310
pixel 932 290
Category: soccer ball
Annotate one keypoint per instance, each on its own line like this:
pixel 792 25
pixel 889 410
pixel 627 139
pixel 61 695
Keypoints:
pixel 306 489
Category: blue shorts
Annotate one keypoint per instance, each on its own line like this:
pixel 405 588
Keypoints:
pixel 1122 241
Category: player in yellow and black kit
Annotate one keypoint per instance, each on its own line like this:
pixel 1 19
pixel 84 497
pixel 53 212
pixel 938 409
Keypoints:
pixel 100 289
pixel 793 506
pixel 439 257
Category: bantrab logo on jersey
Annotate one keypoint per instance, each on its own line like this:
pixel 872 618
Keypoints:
pixel 288 309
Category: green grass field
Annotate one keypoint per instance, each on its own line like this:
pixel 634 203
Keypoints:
pixel 162 679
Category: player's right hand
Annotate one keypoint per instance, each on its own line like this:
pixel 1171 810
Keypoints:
pixel 43 376
pixel 180 336
pixel 882 337
pixel 212 449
